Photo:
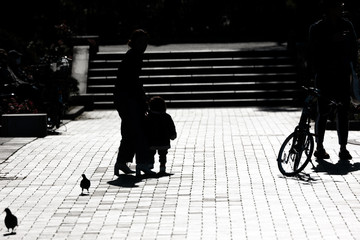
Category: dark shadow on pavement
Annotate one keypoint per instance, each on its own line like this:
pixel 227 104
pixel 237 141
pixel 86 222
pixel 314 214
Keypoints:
pixel 342 167
pixel 303 178
pixel 127 181
pixel 165 174
pixel 130 181
pixel 157 175
pixel 9 234
pixel 306 178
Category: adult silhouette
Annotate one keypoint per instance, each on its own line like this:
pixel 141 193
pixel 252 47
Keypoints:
pixel 131 104
pixel 333 49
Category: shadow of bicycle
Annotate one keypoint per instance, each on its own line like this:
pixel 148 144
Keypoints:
pixel 303 178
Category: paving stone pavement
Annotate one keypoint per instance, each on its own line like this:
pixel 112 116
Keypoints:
pixel 225 183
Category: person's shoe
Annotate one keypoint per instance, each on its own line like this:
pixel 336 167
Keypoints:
pixel 124 168
pixel 321 154
pixel 344 155
pixel 145 169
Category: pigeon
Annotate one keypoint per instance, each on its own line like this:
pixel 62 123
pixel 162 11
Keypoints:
pixel 10 220
pixel 84 184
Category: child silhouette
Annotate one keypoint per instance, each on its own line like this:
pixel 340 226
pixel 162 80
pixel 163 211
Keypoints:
pixel 160 129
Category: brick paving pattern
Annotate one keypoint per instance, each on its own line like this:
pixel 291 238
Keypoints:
pixel 225 183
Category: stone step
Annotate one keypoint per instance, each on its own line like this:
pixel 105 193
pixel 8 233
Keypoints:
pixel 73 112
pixel 196 87
pixel 202 78
pixel 287 102
pixel 197 62
pixel 204 70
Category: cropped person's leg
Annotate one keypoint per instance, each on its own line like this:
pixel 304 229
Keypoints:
pixel 342 123
pixel 320 127
pixel 162 160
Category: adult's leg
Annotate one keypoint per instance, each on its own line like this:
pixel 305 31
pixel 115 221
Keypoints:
pixel 342 124
pixel 142 154
pixel 151 158
pixel 321 120
pixel 126 150
pixel 320 127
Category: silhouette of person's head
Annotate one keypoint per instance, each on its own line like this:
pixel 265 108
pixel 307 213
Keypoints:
pixel 332 8
pixel 139 40
pixel 157 104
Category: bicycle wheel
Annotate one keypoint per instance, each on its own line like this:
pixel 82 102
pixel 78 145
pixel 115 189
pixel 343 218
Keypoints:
pixel 295 153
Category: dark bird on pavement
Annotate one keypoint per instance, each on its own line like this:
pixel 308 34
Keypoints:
pixel 10 220
pixel 84 184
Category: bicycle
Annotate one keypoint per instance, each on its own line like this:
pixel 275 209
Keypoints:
pixel 297 149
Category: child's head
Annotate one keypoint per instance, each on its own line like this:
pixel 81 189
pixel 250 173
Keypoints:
pixel 157 104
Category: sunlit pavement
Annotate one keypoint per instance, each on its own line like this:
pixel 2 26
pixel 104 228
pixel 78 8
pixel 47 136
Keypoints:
pixel 223 183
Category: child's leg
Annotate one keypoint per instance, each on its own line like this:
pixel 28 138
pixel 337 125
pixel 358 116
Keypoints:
pixel 162 159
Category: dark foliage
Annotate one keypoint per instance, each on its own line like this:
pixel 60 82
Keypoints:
pixel 168 20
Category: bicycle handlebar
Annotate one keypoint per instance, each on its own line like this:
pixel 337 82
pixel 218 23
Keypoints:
pixel 317 93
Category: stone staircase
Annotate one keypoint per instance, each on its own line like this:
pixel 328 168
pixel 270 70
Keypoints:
pixel 203 78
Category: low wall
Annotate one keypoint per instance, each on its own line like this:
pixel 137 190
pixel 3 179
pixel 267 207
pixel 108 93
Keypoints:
pixel 24 125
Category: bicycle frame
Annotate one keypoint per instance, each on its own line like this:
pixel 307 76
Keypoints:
pixel 296 150
pixel 304 123
pixel 301 141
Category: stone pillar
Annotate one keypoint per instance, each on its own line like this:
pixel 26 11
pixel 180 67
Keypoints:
pixel 80 66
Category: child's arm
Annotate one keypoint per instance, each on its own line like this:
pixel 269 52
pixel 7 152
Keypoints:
pixel 173 137
pixel 172 129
